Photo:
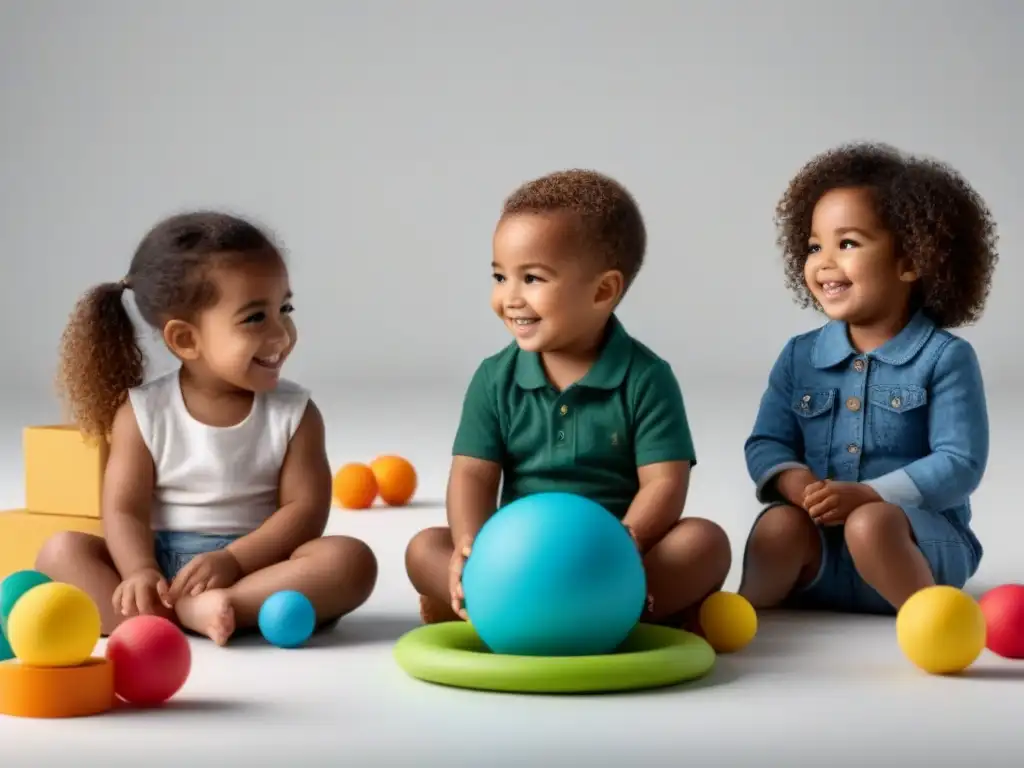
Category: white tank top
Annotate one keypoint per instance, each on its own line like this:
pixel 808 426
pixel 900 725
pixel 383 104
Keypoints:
pixel 217 480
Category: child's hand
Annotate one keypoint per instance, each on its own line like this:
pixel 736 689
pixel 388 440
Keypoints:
pixel 210 570
pixel 141 593
pixel 829 502
pixel 455 567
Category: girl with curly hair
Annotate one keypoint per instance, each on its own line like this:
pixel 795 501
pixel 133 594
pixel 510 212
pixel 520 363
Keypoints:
pixel 872 433
pixel 217 486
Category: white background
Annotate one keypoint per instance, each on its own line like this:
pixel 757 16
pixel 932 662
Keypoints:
pixel 378 140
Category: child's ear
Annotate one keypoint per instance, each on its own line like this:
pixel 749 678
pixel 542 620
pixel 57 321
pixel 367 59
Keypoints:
pixel 182 339
pixel 908 273
pixel 610 285
pixel 909 276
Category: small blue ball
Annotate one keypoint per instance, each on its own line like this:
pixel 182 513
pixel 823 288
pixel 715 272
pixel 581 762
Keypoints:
pixel 5 648
pixel 554 574
pixel 287 619
pixel 13 587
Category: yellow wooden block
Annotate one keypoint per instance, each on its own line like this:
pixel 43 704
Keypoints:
pixel 23 533
pixel 63 471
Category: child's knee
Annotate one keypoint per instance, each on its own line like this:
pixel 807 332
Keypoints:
pixel 425 548
pixel 64 549
pixel 355 556
pixel 784 528
pixel 872 525
pixel 711 542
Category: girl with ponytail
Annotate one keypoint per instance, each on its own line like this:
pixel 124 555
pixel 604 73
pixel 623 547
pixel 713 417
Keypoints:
pixel 217 488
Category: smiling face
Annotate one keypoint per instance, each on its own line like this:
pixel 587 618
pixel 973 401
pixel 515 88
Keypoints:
pixel 547 289
pixel 852 268
pixel 245 338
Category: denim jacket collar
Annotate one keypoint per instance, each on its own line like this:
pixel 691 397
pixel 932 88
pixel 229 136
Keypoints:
pixel 833 346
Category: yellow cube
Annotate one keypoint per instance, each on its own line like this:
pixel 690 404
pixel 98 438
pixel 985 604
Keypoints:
pixel 63 471
pixel 23 533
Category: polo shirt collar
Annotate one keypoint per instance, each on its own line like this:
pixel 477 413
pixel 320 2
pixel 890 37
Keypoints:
pixel 607 372
pixel 833 346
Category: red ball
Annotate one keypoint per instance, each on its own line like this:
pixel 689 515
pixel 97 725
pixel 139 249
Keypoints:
pixel 1004 619
pixel 151 658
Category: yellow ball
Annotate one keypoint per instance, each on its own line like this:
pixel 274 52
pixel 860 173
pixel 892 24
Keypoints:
pixel 54 625
pixel 728 620
pixel 941 630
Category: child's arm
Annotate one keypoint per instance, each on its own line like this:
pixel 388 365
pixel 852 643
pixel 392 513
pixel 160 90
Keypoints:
pixel 128 482
pixel 958 435
pixel 774 449
pixel 477 455
pixel 305 500
pixel 664 455
pixel 659 503
pixel 472 497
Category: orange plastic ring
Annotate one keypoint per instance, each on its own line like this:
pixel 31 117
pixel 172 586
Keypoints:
pixel 49 692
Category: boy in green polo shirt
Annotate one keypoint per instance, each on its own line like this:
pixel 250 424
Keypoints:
pixel 574 403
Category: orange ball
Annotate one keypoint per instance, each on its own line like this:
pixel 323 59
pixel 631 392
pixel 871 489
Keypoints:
pixel 396 479
pixel 355 486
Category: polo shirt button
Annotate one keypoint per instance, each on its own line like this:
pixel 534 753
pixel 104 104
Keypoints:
pixel 564 410
pixel 561 435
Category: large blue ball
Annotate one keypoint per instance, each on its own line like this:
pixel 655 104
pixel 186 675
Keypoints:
pixel 554 574
pixel 287 619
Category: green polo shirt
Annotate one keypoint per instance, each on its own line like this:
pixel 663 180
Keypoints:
pixel 588 439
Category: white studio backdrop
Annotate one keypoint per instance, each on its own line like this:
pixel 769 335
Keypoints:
pixel 378 138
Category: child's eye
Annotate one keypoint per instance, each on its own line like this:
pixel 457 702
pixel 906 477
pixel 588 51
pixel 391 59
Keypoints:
pixel 848 243
pixel 533 279
pixel 287 309
pixel 256 317
pixel 813 248
pixel 498 278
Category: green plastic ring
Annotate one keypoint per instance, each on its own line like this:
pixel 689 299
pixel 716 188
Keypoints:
pixel 652 656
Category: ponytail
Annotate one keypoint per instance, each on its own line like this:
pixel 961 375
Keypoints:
pixel 100 359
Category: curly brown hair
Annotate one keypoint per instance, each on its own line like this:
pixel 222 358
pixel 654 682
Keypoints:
pixel 936 218
pixel 609 217
pixel 100 359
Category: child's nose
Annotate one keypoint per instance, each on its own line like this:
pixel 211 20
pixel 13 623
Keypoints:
pixel 279 335
pixel 514 296
pixel 824 259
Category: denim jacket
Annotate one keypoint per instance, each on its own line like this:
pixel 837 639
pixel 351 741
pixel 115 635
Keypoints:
pixel 908 419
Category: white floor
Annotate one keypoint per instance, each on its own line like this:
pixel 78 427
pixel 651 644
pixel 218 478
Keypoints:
pixel 810 690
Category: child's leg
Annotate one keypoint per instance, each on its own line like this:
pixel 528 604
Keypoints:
pixel 900 551
pixel 687 565
pixel 427 558
pixel 784 552
pixel 83 560
pixel 336 573
pixel 692 561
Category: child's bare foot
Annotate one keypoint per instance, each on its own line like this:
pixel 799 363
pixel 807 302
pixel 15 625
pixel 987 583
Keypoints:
pixel 209 613
pixel 435 612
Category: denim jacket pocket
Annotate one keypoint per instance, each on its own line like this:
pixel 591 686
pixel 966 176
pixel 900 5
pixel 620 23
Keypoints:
pixel 815 407
pixel 898 419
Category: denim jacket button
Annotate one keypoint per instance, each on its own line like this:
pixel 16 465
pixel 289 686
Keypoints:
pixel 895 402
pixel 858 365
pixel 853 403
pixel 853 448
